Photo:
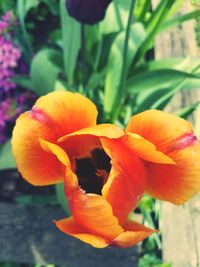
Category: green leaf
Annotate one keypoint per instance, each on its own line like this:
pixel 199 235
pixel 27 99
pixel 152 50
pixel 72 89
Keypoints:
pixel 182 64
pixel 180 19
pixel 153 26
pixel 60 193
pixel 71 41
pixel 7 5
pixel 187 111
pixel 115 62
pixel 23 7
pixel 7 160
pixel 142 7
pixel 23 81
pixel 59 86
pixel 115 21
pixel 45 68
pixel 156 79
pixel 147 98
pixel 28 5
pixel 158 15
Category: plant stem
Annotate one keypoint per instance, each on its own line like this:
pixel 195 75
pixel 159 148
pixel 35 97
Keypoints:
pixel 119 98
pixel 82 53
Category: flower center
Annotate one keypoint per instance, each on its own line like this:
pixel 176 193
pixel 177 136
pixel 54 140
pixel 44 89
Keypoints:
pixel 92 172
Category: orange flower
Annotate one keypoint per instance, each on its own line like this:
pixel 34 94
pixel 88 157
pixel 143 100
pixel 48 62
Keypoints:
pixel 105 170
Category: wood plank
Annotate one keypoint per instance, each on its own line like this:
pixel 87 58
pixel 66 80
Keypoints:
pixel 180 225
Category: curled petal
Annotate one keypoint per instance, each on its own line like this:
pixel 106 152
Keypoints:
pixel 100 130
pixel 95 214
pixel 79 143
pixel 53 115
pixel 127 180
pixel 145 149
pixel 134 233
pixel 174 137
pixel 70 227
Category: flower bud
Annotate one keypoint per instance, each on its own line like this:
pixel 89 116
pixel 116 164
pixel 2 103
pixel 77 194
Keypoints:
pixel 87 11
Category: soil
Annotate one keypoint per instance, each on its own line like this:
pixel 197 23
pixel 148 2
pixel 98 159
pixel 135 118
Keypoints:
pixel 12 185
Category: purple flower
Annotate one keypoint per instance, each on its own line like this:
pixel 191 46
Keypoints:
pixel 9 56
pixel 87 11
pixel 8 17
pixel 13 104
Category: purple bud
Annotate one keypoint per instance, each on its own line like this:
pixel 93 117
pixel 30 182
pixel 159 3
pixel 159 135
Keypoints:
pixel 87 11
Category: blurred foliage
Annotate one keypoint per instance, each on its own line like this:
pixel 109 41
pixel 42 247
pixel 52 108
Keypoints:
pixel 112 63
pixel 105 61
pixel 151 260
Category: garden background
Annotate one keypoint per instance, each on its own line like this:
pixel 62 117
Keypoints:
pixel 142 55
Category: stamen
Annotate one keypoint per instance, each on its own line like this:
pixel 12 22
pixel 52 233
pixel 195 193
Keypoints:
pixel 93 172
pixel 103 174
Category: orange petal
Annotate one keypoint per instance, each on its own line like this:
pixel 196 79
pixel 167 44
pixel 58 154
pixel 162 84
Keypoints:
pixel 94 213
pixel 37 166
pixel 70 227
pixel 67 112
pixel 134 233
pixel 127 180
pixel 100 130
pixel 53 115
pixel 145 149
pixel 71 179
pixel 82 142
pixel 177 183
pixel 160 128
pixel 174 137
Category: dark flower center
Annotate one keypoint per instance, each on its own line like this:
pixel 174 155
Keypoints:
pixel 92 172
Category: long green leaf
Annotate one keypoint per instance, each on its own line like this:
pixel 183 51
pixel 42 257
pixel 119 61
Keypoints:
pixel 157 79
pixel 7 160
pixel 45 68
pixel 188 110
pixel 23 7
pixel 153 26
pixel 181 64
pixel 180 19
pixel 71 41
pixel 147 98
pixel 115 63
pixel 159 15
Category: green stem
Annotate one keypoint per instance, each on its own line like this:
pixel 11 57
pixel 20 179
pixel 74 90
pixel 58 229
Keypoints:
pixel 153 26
pixel 98 55
pixel 21 11
pixel 118 101
pixel 82 54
